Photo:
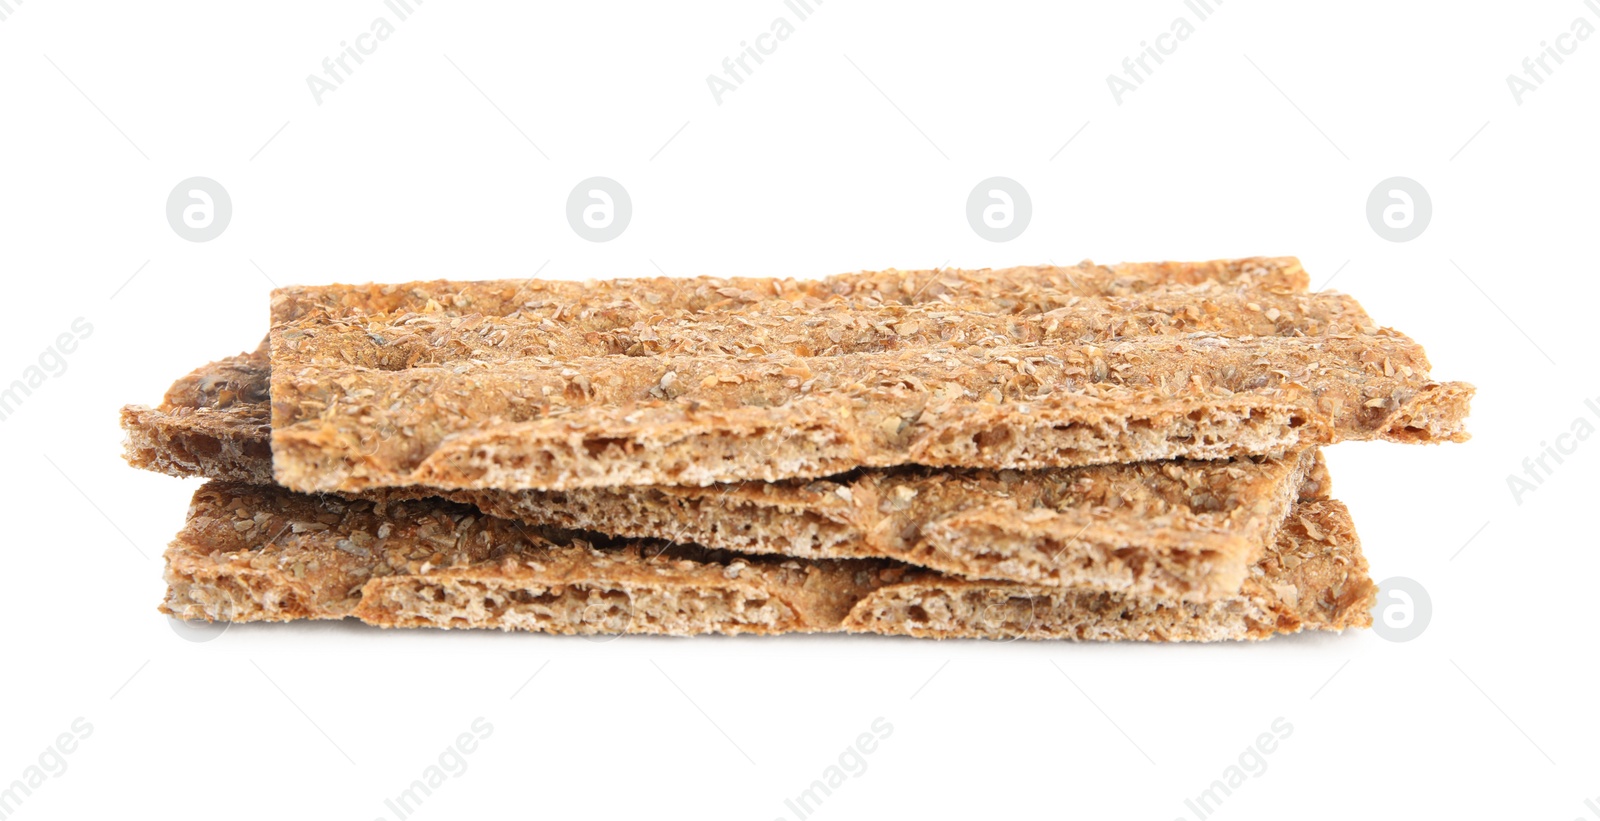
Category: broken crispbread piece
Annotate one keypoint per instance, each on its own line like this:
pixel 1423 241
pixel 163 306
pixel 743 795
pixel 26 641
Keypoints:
pixel 214 423
pixel 267 554
pixel 1181 529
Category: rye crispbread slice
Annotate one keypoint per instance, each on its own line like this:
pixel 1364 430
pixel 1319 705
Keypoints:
pixel 215 423
pixel 1313 577
pixel 1006 291
pixel 252 553
pixel 514 385
pixel 422 332
pixel 1182 529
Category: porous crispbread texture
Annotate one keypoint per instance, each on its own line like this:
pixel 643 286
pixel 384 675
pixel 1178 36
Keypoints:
pixel 207 418
pixel 445 324
pixel 267 554
pixel 1186 530
pixel 214 422
pixel 252 553
pixel 1021 290
pixel 685 419
pixel 1314 577
pixel 1181 529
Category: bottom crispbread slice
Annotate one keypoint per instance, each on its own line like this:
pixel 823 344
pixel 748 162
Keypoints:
pixel 1189 529
pixel 254 553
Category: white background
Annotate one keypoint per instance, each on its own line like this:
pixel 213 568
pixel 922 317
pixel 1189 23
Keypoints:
pixel 408 171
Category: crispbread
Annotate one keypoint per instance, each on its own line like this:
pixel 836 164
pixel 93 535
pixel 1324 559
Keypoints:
pixel 253 553
pixel 420 338
pixel 1182 529
pixel 1021 290
pixel 865 312
pixel 1313 577
pixel 695 419
pixel 1187 530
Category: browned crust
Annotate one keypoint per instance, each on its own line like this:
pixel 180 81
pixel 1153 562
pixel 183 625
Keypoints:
pixel 267 554
pixel 1182 529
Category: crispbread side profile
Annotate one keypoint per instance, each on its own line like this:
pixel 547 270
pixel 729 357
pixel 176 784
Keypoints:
pixel 440 336
pixel 1313 577
pixel 1125 452
pixel 267 554
pixel 1020 290
pixel 774 326
pixel 686 419
pixel 1183 529
pixel 1187 530
pixel 251 553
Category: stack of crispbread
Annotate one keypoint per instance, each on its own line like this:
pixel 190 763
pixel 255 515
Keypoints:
pixel 1093 452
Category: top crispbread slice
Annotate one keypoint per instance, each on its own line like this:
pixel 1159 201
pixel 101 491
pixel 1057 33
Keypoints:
pixel 1022 290
pixel 215 422
pixel 424 332
pixel 1181 529
pixel 504 385
pixel 252 553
